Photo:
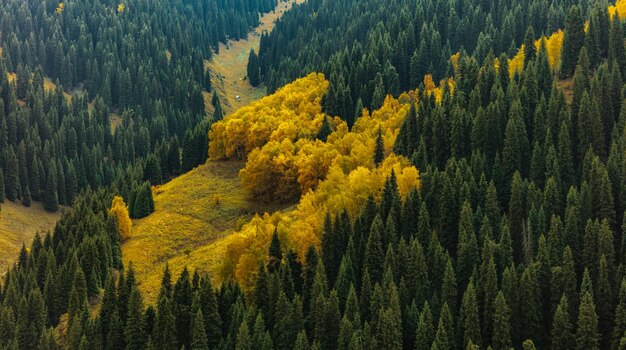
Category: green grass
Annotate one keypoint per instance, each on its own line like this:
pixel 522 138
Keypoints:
pixel 194 213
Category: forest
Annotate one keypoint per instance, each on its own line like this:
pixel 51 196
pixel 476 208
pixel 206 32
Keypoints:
pixel 66 68
pixel 455 170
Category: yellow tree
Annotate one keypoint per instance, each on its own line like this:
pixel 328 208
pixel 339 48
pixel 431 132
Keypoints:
pixel 119 209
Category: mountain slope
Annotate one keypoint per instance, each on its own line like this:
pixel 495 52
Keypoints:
pixel 18 225
pixel 192 212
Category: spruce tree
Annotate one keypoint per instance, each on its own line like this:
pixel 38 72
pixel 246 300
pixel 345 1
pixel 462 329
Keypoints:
pixel 135 328
pixel 198 333
pixel 469 319
pixel 379 151
pixel 587 335
pixel 562 333
pixel 275 254
pixel 425 333
pixel 573 41
pixel 619 327
pixel 501 324
pixel 50 200
pixel 253 68
pixel 529 45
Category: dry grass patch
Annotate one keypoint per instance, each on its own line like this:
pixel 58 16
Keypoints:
pixel 18 226
pixel 192 214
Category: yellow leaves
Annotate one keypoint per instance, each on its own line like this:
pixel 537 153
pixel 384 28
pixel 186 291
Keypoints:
pixel 120 211
pixel 60 8
pixel 270 172
pixel 408 179
pixel 293 112
pixel 284 159
pixel 619 7
pixel 553 47
pixel 314 160
pixel 246 250
pixel 454 59
pixel 431 88
pixel 516 64
pixel 429 84
pixel 120 8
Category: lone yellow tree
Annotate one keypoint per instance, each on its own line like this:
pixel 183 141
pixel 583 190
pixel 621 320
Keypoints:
pixel 119 209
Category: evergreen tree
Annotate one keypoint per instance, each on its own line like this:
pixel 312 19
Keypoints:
pixel 501 324
pixel 573 41
pixel 253 68
pixel 562 332
pixel 135 328
pixel 469 317
pixel 587 335
pixel 379 151
pixel 198 334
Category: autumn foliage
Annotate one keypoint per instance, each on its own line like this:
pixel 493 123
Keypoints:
pixel 285 162
pixel 553 47
pixel 120 211
pixel 619 7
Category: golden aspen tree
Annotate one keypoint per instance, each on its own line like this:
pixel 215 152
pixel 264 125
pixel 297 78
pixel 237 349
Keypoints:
pixel 119 209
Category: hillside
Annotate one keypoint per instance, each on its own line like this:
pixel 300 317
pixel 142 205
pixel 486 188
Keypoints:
pixel 421 174
pixel 228 68
pixel 192 213
pixel 18 225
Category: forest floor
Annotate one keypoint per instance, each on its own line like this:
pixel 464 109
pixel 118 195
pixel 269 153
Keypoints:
pixel 193 213
pixel 18 224
pixel 229 67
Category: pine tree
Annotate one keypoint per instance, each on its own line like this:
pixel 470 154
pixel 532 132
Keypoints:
pixel 165 326
pixel 619 327
pixel 198 333
pixel 253 68
pixel 562 333
pixel 529 46
pixel 469 317
pixel 324 131
pixel 516 146
pixel 135 328
pixel 616 44
pixel 467 248
pixel 275 254
pixel 50 201
pixel 244 341
pixel 573 41
pixel 425 333
pixel 587 335
pixel 379 151
pixel 374 255
pixel 501 324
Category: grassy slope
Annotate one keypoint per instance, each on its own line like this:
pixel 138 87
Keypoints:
pixel 229 68
pixel 18 225
pixel 192 213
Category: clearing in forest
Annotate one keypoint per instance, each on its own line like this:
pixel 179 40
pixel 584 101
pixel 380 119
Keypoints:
pixel 18 225
pixel 192 213
pixel 229 67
